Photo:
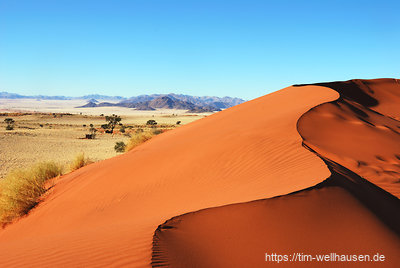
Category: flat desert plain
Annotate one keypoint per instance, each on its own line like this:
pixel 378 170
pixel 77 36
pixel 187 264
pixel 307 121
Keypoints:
pixel 54 130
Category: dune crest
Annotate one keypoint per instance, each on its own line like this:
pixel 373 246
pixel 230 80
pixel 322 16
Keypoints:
pixel 360 130
pixel 345 214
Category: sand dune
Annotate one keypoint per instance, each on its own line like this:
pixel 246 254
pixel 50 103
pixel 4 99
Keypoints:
pixel 216 192
pixel 360 130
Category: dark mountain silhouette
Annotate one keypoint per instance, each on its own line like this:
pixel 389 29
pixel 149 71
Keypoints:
pixel 88 105
pixel 145 102
pixel 174 101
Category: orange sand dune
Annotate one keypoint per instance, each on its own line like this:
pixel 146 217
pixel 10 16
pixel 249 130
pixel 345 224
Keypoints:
pixel 107 213
pixel 345 214
pixel 317 221
pixel 360 131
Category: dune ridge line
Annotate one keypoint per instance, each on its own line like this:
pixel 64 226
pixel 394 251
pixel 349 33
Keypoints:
pixel 384 206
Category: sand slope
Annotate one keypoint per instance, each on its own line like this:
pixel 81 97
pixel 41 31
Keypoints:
pixel 360 130
pixel 106 214
pixel 345 214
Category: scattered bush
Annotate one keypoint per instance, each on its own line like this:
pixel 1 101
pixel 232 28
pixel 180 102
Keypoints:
pixel 119 147
pixel 20 191
pixel 10 123
pixel 92 134
pixel 151 122
pixel 122 129
pixel 80 161
pixel 178 122
pixel 157 131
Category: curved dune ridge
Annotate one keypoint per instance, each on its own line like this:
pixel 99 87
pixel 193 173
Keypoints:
pixel 345 214
pixel 225 190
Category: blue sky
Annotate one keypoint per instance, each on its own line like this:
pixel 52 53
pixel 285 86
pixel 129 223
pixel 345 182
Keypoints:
pixel 236 48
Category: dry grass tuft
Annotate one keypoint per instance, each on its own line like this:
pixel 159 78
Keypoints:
pixel 20 191
pixel 80 161
pixel 137 139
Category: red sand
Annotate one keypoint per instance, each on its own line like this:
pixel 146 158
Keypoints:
pixel 318 221
pixel 106 214
pixel 363 138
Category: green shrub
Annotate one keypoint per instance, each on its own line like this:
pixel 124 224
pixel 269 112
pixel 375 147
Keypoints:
pixel 119 147
pixel 151 122
pixel 157 131
pixel 10 123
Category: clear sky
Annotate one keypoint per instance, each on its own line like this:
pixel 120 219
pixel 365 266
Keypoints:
pixel 204 47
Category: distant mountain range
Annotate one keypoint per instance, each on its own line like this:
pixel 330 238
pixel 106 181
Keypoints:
pixel 7 95
pixel 145 102
pixel 171 101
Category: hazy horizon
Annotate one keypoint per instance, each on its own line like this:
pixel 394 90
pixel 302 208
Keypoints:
pixel 114 96
pixel 242 49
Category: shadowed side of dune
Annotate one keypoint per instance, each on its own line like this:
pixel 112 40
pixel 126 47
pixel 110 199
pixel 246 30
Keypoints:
pixel 346 214
pixel 335 216
pixel 384 205
pixel 360 130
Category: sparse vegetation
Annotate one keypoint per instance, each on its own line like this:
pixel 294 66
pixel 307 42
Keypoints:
pixel 151 122
pixel 137 139
pixel 21 190
pixel 92 132
pixel 157 131
pixel 80 161
pixel 10 123
pixel 178 122
pixel 120 146
pixel 113 120
pixel 41 136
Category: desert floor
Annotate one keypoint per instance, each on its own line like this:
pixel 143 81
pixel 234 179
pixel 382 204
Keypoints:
pixel 55 130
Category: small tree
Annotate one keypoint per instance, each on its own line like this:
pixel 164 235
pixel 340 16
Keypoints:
pixel 151 122
pixel 10 123
pixel 119 147
pixel 112 120
pixel 178 122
